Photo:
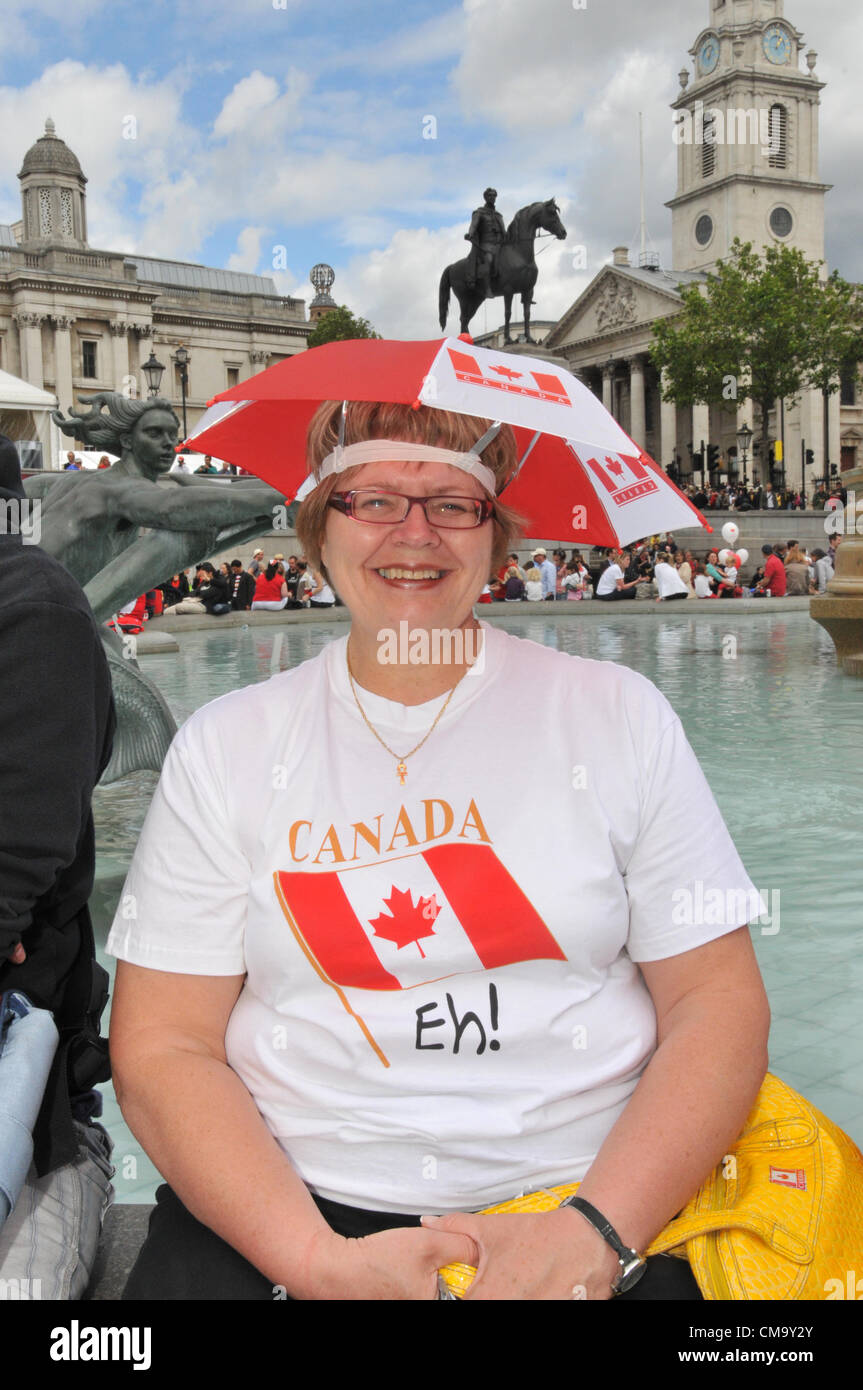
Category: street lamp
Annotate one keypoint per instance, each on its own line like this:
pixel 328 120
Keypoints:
pixel 153 370
pixel 182 359
pixel 744 439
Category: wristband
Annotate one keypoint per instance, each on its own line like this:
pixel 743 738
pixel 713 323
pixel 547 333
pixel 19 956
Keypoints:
pixel 632 1265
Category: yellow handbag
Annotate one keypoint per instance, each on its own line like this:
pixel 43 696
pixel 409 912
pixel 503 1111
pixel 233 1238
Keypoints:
pixel 780 1218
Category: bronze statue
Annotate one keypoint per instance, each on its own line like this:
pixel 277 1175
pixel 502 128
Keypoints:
pixel 487 233
pixel 501 263
pixel 92 523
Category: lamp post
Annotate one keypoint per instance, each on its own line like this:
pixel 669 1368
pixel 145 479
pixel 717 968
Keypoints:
pixel 744 439
pixel 182 359
pixel 153 370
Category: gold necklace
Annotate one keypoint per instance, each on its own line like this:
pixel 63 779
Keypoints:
pixel 401 762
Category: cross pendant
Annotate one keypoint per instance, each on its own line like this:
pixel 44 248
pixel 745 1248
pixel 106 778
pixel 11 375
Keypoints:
pixel 402 771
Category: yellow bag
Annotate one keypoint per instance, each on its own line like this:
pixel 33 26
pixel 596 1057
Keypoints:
pixel 780 1218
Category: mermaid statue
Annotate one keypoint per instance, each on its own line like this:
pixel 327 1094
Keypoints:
pixel 125 529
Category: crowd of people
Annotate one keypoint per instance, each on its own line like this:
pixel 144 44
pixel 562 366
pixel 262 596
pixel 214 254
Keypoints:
pixel 788 569
pixel 735 497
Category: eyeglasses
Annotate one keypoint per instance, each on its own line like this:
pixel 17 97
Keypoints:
pixel 383 508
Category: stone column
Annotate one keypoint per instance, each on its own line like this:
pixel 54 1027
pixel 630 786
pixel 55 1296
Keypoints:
pixel 120 351
pixel 637 418
pixel 30 334
pixel 63 359
pixel 143 334
pixel 667 428
pixel 258 358
pixel 607 387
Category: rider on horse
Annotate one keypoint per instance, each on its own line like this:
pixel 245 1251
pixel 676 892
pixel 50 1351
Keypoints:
pixel 487 233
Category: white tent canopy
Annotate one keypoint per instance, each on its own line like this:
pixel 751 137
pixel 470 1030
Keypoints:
pixel 25 416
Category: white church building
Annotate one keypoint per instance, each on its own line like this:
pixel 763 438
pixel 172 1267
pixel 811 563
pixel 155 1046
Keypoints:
pixel 746 128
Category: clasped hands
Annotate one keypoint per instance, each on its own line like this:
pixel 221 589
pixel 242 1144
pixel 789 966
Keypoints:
pixel 523 1256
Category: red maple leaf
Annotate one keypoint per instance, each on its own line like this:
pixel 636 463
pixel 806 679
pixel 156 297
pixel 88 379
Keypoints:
pixel 408 922
pixel 507 372
pixel 614 466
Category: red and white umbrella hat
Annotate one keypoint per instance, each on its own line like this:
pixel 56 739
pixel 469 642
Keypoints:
pixel 581 479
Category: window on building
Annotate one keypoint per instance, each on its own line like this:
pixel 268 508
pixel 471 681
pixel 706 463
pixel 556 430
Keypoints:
pixel 777 139
pixel 781 222
pixel 88 360
pixel 708 149
pixel 233 376
pixel 848 387
pixel 46 216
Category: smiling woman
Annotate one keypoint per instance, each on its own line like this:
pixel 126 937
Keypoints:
pixel 358 988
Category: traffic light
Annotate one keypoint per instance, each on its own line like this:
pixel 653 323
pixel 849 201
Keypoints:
pixel 712 456
pixel 810 457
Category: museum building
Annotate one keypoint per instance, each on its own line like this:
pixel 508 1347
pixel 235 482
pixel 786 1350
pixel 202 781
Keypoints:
pixel 75 320
pixel 746 128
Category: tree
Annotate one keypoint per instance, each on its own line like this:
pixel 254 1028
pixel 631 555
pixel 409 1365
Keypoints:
pixel 336 325
pixel 761 329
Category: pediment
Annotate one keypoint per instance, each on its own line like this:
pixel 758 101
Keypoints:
pixel 613 302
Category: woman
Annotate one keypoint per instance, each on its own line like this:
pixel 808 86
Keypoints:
pixel 683 564
pixel 271 591
pixel 668 582
pixel 320 595
pixel 372 996
pixel 514 590
pixel 798 574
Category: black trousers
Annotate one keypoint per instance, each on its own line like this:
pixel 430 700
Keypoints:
pixel 182 1260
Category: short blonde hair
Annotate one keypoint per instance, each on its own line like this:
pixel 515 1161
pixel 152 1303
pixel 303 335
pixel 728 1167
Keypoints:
pixel 443 429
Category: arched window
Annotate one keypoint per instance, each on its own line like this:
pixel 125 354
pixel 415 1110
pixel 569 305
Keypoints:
pixel 777 138
pixel 708 149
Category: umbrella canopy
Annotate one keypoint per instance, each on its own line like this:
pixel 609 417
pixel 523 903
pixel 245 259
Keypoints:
pixel 582 479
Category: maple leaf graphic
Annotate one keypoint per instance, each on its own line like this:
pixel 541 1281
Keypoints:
pixel 614 466
pixel 408 922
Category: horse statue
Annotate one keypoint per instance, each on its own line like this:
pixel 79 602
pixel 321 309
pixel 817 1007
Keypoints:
pixel 516 269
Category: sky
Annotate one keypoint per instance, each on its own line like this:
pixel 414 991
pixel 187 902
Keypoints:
pixel 267 135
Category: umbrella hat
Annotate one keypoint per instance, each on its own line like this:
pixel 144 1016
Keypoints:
pixel 581 478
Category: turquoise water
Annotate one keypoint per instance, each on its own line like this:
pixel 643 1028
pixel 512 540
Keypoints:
pixel 778 733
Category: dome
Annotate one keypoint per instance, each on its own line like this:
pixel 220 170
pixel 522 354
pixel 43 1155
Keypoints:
pixel 51 155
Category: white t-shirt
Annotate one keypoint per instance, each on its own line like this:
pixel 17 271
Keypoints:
pixel 702 586
pixel 668 581
pixel 441 1006
pixel 608 580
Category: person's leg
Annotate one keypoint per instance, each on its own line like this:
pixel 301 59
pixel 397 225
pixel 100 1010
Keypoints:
pixel 181 1259
pixel 48 1244
pixel 666 1278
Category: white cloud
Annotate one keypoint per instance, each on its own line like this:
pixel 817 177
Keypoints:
pixel 248 253
pixel 245 103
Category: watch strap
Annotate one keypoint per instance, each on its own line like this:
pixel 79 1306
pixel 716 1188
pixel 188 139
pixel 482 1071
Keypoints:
pixel 632 1264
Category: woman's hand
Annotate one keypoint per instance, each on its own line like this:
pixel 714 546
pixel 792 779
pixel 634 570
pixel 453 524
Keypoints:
pixel 17 955
pixel 535 1255
pixel 399 1264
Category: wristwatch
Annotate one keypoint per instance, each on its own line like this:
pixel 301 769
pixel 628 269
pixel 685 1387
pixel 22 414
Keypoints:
pixel 632 1265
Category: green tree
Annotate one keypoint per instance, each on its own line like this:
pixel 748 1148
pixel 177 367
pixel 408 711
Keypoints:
pixel 337 325
pixel 761 329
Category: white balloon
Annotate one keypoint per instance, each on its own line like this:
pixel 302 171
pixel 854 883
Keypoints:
pixel 730 532
pixel 723 556
pixel 744 556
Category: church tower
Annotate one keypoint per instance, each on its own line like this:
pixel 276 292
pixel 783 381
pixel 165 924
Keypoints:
pixel 746 129
pixel 52 193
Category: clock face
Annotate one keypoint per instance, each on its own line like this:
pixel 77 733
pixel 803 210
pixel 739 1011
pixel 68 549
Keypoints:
pixel 777 44
pixel 708 54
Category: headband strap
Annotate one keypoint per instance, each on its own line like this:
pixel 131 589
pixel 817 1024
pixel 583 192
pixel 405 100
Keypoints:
pixel 381 450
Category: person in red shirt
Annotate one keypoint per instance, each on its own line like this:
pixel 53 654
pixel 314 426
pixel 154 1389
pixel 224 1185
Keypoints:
pixel 774 573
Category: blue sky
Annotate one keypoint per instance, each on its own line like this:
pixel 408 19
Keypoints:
pixel 268 136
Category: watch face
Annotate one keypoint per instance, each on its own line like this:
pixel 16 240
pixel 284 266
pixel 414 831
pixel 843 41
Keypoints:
pixel 777 44
pixel 708 54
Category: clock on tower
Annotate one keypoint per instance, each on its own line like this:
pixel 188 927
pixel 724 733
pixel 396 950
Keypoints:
pixel 777 44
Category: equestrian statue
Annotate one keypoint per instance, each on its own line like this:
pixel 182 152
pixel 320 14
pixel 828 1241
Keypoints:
pixel 501 261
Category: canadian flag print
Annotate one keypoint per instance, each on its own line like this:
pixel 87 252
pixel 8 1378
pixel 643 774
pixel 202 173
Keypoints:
pixel 789 1177
pixel 624 477
pixel 408 921
pixel 540 386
